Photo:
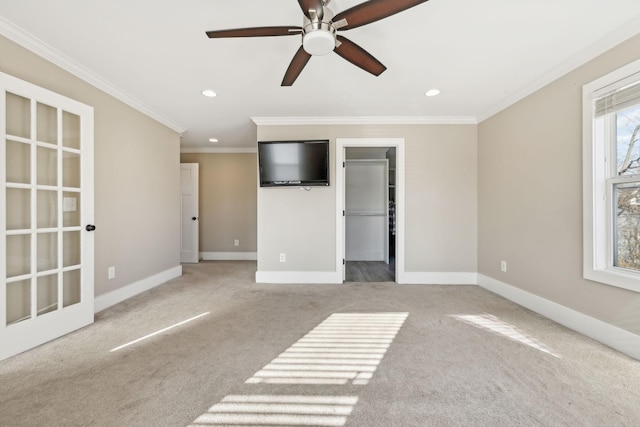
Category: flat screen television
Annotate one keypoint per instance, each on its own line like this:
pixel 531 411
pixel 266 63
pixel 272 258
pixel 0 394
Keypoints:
pixel 293 163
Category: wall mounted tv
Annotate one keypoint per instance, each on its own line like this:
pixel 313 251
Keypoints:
pixel 293 163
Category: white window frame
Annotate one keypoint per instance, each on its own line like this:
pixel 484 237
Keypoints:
pixel 599 176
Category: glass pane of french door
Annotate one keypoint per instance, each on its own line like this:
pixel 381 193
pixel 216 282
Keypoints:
pixel 42 192
pixel 46 273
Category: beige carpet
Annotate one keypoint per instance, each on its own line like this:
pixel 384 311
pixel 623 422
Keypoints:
pixel 443 356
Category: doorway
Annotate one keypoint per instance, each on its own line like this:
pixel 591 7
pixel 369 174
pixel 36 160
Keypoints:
pixel 189 216
pixel 369 211
pixel 370 227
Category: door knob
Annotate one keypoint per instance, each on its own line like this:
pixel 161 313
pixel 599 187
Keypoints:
pixel 194 218
pixel 90 227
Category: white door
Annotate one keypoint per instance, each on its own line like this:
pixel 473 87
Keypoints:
pixel 367 210
pixel 46 200
pixel 189 243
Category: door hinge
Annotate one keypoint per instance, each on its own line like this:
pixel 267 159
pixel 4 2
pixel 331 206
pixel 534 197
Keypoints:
pixel 344 164
pixel 344 213
pixel 343 261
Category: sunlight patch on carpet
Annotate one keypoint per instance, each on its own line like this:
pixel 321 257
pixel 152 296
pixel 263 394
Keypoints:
pixel 281 410
pixel 497 326
pixel 346 347
pixel 168 328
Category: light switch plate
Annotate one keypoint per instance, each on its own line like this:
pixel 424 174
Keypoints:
pixel 69 204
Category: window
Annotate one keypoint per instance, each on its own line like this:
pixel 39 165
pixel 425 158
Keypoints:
pixel 611 168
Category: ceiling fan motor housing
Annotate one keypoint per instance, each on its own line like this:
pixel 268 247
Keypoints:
pixel 319 36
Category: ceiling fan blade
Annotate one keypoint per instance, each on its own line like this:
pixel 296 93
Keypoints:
pixel 359 57
pixel 255 32
pixel 307 5
pixel 373 10
pixel 295 68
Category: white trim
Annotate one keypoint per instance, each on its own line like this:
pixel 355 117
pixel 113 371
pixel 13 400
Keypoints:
pixel 365 120
pixel 321 277
pixel 299 277
pixel 218 150
pixel 398 143
pixel 109 299
pixel 40 48
pixel 435 278
pixel 617 338
pixel 596 49
pixel 229 256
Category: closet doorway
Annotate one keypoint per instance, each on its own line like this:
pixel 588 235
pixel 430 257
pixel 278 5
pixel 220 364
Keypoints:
pixel 369 209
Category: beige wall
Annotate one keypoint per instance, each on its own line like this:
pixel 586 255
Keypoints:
pixel 441 201
pixel 228 200
pixel 137 176
pixel 530 196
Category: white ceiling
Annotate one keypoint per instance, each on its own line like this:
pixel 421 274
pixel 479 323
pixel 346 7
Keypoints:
pixel 154 54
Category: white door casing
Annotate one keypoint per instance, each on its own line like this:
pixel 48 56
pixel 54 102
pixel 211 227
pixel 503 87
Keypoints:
pixel 46 199
pixel 190 220
pixel 398 143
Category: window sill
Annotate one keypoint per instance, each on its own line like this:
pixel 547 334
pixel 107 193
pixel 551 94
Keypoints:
pixel 617 277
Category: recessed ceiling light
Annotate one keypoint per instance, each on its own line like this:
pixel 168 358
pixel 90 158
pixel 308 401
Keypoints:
pixel 432 92
pixel 213 140
pixel 210 93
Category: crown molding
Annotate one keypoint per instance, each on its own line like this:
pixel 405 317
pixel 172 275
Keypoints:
pixel 365 120
pixel 35 45
pixel 608 42
pixel 217 150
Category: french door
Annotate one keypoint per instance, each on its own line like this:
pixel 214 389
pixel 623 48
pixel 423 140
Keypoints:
pixel 46 200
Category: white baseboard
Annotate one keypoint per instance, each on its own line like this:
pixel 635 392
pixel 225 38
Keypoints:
pixel 617 338
pixel 301 277
pixel 426 278
pixel 332 277
pixel 104 301
pixel 229 256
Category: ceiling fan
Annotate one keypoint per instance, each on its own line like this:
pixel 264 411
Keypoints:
pixel 320 33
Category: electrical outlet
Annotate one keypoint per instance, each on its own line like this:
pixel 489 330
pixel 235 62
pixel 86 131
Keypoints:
pixel 111 272
pixel 503 266
pixel 283 257
pixel 236 242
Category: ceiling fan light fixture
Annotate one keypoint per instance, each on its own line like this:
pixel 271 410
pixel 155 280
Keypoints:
pixel 319 33
pixel 319 42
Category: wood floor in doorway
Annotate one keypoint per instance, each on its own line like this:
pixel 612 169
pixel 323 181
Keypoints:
pixel 370 271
